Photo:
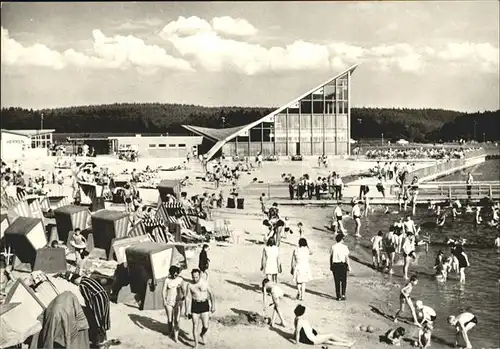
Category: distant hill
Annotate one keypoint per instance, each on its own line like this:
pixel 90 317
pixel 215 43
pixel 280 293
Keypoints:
pixel 412 124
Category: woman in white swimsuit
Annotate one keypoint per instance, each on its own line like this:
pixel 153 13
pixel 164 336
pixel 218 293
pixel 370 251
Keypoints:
pixel 173 296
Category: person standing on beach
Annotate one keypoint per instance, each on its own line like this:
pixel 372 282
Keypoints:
pixel 463 323
pixel 356 215
pixel 337 217
pixel 202 303
pixel 173 296
pixel 300 267
pixel 339 265
pixel 404 298
pixel 204 261
pixel 270 262
pixel 97 301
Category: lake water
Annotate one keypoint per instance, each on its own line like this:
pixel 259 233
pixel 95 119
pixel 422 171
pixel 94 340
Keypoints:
pixel 487 171
pixel 479 295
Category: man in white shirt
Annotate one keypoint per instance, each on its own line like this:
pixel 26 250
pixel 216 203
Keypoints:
pixel 339 265
pixel 337 219
pixel 337 185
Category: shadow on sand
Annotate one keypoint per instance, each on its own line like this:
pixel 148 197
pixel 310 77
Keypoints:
pixel 250 287
pixel 315 293
pixel 157 326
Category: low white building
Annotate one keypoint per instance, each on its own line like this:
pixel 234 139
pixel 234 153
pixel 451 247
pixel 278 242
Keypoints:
pixel 14 145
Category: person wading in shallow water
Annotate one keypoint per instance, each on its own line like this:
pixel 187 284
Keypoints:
pixel 199 303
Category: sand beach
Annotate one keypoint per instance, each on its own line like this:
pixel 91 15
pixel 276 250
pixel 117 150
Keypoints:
pixel 235 276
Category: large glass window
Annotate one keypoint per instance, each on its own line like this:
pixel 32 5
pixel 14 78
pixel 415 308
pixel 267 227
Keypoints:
pixel 330 92
pixel 318 107
pixel 305 107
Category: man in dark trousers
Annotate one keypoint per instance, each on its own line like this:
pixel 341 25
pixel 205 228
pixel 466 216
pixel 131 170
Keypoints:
pixel 339 265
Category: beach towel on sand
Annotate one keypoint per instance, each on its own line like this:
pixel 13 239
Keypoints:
pixel 64 324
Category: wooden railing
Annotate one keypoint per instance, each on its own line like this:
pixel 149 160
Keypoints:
pixel 457 191
pixel 446 166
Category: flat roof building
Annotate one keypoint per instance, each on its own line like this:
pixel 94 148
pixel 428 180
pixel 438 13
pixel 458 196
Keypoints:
pixel 315 123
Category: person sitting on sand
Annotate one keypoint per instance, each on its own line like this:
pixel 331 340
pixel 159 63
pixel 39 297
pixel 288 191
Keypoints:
pixel 424 313
pixel 79 243
pixel 393 337
pixel 404 298
pixel 463 323
pixel 305 334
pixel 424 336
pixel 277 294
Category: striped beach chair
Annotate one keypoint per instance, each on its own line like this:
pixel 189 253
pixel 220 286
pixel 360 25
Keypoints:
pixel 152 227
pixel 175 214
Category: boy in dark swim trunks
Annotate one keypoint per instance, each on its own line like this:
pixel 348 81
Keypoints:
pixel 404 298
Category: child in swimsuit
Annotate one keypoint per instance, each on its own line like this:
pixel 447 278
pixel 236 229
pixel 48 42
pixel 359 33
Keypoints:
pixel 424 336
pixel 404 298
pixel 394 336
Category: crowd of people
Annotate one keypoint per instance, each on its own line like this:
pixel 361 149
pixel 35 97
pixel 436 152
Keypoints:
pixel 401 153
pixel 306 187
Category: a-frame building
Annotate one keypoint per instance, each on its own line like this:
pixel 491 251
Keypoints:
pixel 315 123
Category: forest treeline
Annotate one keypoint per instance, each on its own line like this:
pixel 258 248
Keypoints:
pixel 418 125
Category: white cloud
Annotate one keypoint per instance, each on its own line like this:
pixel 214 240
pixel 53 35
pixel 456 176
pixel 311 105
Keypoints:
pixel 233 26
pixel 483 55
pixel 13 53
pixel 124 51
pixel 118 52
pixel 402 56
pixel 139 24
pixel 187 26
pixel 201 43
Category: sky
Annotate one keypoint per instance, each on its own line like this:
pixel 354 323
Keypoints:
pixel 411 54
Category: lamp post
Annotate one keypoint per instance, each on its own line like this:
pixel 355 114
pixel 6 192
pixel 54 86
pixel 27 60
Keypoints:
pixel 41 121
pixel 223 122
pixel 382 139
pixel 484 137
